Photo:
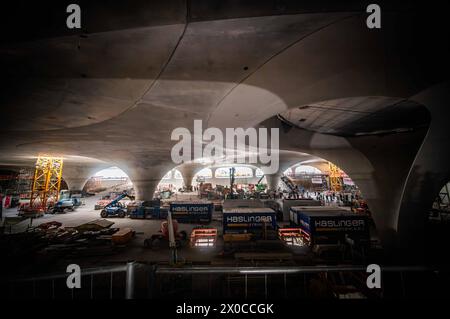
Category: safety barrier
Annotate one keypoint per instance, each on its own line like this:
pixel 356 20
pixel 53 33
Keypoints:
pixel 232 282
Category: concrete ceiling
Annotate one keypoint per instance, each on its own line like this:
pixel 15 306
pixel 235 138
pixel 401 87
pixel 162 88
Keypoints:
pixel 117 95
pixel 115 91
pixel 359 116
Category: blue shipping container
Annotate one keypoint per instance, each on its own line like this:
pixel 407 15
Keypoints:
pixel 149 213
pixel 318 221
pixel 192 212
pixel 247 220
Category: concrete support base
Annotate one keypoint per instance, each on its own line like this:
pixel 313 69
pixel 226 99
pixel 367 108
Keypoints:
pixel 76 184
pixel 145 188
pixel 272 181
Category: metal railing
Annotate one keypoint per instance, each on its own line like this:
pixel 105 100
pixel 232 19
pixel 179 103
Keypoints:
pixel 159 276
pixel 128 269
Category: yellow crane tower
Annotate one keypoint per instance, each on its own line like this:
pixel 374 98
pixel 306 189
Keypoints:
pixel 46 182
pixel 335 177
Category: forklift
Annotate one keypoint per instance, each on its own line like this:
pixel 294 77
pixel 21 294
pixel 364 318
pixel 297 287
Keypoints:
pixel 115 208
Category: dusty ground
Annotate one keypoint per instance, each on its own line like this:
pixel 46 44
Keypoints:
pixel 135 250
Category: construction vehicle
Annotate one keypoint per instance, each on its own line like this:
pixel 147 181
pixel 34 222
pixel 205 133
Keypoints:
pixel 259 186
pixel 67 201
pixel 66 204
pixel 232 194
pixel 257 190
pixel 168 233
pixel 205 189
pixel 360 206
pixel 292 188
pixel 165 194
pixel 115 208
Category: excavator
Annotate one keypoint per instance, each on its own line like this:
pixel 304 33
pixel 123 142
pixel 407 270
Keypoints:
pixel 260 187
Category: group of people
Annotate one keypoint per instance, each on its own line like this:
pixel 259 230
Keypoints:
pixel 328 197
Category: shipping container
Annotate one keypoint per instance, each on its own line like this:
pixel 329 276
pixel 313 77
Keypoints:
pixel 248 220
pixel 286 204
pixel 327 225
pixel 192 212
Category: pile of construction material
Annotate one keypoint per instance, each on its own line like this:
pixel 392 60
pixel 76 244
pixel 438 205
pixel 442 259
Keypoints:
pixel 93 238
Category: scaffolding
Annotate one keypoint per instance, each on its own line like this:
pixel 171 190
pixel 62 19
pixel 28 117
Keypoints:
pixel 335 177
pixel 46 182
pixel 25 182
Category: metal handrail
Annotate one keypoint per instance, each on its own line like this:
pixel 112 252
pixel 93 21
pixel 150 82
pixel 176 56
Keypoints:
pixel 130 274
pixel 282 270
pixel 228 270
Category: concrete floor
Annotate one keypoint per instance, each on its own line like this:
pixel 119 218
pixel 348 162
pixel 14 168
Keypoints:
pixel 135 250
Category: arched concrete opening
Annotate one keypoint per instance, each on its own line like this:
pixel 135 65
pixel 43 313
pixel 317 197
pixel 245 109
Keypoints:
pixel 192 174
pixel 220 174
pixel 204 175
pixel 78 169
pixel 436 233
pixel 442 201
pixel 309 176
pixel 314 176
pixel 111 178
pixel 172 181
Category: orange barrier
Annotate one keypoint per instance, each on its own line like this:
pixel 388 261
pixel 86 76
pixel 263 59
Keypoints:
pixel 203 237
pixel 293 236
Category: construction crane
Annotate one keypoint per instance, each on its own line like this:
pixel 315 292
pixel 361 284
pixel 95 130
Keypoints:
pixel 46 183
pixel 335 177
pixel 232 181
pixel 290 185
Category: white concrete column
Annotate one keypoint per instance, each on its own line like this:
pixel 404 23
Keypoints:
pixel 187 179
pixel 188 172
pixel 273 180
pixel 76 183
pixel 145 188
